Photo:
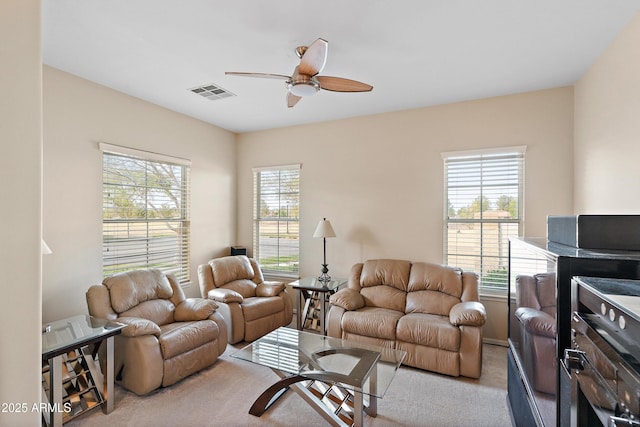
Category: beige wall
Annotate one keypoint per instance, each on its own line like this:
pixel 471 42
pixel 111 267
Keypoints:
pixel 379 179
pixel 607 129
pixel 77 115
pixel 21 214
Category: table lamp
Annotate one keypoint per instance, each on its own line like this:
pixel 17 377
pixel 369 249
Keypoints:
pixel 324 230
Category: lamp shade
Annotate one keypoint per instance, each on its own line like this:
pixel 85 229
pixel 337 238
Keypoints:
pixel 324 229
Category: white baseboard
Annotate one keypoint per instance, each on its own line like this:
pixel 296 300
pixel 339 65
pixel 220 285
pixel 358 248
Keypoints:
pixel 494 341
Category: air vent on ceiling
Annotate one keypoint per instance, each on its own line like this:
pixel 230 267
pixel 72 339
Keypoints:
pixel 211 92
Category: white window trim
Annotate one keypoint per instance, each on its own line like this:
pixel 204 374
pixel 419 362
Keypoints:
pixel 154 157
pixel 141 154
pixel 275 275
pixel 295 166
pixel 489 152
pixel 520 149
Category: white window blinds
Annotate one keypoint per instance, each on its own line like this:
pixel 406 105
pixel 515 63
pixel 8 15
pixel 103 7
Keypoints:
pixel 145 220
pixel 483 209
pixel 276 216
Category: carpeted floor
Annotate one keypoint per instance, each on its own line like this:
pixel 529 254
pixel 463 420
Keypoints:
pixel 222 395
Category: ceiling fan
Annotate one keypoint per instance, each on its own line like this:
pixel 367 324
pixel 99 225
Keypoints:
pixel 305 80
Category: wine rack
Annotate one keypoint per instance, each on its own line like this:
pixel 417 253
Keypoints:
pixel 81 390
pixel 312 311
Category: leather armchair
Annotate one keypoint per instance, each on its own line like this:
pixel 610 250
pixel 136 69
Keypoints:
pixel 168 336
pixel 536 314
pixel 250 306
pixel 430 311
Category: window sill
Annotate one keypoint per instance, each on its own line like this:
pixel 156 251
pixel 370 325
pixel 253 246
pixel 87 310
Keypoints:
pixel 280 277
pixel 493 295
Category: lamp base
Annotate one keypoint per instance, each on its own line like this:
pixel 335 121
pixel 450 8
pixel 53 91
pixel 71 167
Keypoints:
pixel 324 277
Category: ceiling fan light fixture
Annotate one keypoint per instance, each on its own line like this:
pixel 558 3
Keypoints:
pixel 306 88
pixel 306 79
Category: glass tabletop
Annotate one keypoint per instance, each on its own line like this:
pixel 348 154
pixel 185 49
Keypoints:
pixel 61 335
pixel 353 365
pixel 313 284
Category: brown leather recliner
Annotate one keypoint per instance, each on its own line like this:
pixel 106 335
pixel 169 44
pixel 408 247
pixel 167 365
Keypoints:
pixel 168 336
pixel 250 306
pixel 536 313
pixel 430 311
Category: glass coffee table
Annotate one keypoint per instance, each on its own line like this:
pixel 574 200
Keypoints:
pixel 340 379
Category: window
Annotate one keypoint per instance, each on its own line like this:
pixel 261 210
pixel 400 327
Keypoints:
pixel 484 194
pixel 276 215
pixel 145 212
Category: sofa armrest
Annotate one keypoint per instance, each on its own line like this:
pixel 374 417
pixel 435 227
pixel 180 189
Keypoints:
pixel 537 322
pixel 225 295
pixel 269 289
pixel 137 327
pixel 194 309
pixel 334 321
pixel 349 299
pixel 468 313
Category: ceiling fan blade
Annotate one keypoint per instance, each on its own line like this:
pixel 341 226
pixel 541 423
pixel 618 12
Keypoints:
pixel 260 75
pixel 314 58
pixel 292 99
pixel 339 84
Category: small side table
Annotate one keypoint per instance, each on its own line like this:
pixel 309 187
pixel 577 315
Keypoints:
pixel 68 367
pixel 316 298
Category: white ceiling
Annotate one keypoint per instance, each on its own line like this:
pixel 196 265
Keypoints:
pixel 414 52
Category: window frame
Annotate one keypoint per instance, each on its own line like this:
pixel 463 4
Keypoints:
pixel 481 159
pixel 177 255
pixel 282 251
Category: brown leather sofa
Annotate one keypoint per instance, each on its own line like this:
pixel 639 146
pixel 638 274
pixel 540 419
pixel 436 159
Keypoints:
pixel 168 336
pixel 430 311
pixel 250 306
pixel 536 314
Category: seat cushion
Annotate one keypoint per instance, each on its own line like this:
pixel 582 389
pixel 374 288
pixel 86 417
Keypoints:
pixel 429 330
pixel 258 307
pixel 372 322
pixel 179 337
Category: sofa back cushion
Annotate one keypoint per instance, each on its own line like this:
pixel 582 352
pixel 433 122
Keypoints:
pixel 433 288
pixel 526 293
pixel 546 286
pixel 131 288
pixel 384 282
pixel 537 292
pixel 230 268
